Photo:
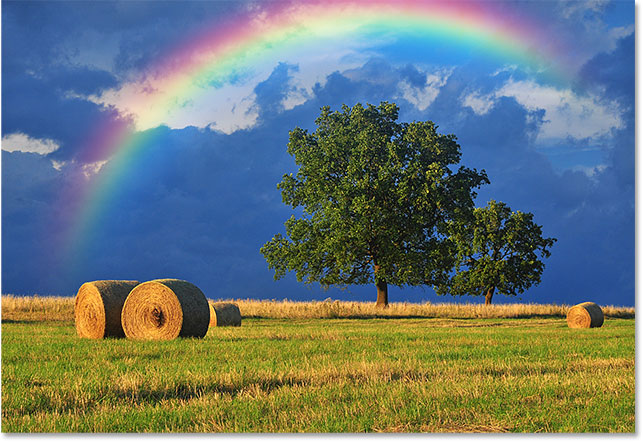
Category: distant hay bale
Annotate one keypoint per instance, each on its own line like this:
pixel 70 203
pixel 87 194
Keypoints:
pixel 165 309
pixel 585 315
pixel 98 307
pixel 224 314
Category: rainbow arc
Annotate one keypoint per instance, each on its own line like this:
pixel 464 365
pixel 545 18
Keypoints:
pixel 247 41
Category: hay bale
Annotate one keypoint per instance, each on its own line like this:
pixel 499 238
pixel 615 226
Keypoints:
pixel 98 306
pixel 165 309
pixel 224 314
pixel 585 315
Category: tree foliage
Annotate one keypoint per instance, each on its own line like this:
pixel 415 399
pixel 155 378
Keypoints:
pixel 497 250
pixel 376 196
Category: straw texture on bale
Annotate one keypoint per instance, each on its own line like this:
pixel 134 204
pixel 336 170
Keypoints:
pixel 165 309
pixel 585 315
pixel 224 314
pixel 98 307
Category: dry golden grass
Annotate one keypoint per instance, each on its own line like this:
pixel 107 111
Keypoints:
pixel 37 308
pixel 340 309
pixel 51 308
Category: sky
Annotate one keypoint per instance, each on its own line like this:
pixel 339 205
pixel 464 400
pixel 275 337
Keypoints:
pixel 145 140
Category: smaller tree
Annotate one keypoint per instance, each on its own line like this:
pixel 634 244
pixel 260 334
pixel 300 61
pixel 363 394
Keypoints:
pixel 497 250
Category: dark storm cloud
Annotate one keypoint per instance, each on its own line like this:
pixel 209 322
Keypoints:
pixel 199 211
pixel 45 44
pixel 613 73
pixel 411 74
pixel 271 92
pixel 47 33
pixel 79 80
pixel 29 188
pixel 41 108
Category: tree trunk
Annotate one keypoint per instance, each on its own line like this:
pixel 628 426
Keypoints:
pixel 382 289
pixel 382 294
pixel 489 295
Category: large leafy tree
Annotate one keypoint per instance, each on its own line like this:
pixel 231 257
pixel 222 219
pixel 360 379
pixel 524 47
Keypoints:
pixel 497 250
pixel 376 196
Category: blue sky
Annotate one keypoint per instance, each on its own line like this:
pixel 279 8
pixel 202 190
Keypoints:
pixel 206 200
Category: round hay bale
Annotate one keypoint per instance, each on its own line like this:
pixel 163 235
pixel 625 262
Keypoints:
pixel 98 306
pixel 224 314
pixel 585 315
pixel 165 309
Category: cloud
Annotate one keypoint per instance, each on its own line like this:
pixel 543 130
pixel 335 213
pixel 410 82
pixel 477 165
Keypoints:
pixel 612 74
pixel 316 62
pixel 591 172
pixel 24 143
pixel 417 87
pixel 479 103
pixel 120 37
pixel 422 95
pixel 77 79
pixel 91 168
pixel 579 10
pixel 151 103
pixel 566 114
pixel 276 90
pixel 615 35
pixel 58 165
pixel 38 106
pixel 227 102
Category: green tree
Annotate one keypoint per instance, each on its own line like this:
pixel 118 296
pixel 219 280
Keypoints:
pixel 376 196
pixel 497 250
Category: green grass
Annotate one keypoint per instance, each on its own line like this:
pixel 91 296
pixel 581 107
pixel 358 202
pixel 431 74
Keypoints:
pixel 325 375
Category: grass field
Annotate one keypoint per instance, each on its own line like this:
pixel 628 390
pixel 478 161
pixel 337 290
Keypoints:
pixel 323 370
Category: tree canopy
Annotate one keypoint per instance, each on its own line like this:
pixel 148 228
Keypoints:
pixel 376 196
pixel 497 250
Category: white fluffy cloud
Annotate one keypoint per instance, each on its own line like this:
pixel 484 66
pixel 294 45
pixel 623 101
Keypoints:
pixel 566 114
pixel 615 34
pixel 230 104
pixel 590 171
pixel 88 169
pixel 151 104
pixel 575 9
pixel 24 143
pixel 479 103
pixel 314 68
pixel 92 168
pixel 422 97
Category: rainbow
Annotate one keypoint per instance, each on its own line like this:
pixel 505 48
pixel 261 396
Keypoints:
pixel 214 55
